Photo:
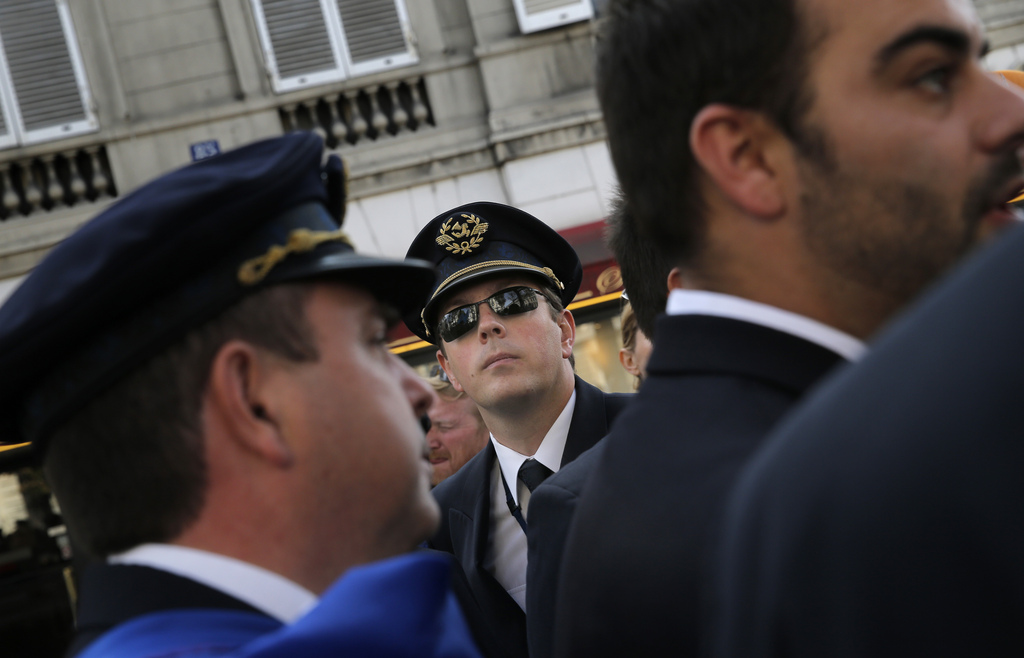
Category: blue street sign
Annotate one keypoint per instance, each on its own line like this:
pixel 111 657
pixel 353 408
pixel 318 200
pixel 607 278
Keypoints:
pixel 203 150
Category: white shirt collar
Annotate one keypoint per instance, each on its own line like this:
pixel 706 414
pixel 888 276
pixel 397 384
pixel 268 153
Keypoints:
pixel 262 589
pixel 703 302
pixel 549 453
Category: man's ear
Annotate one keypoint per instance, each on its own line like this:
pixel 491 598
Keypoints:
pixel 628 360
pixel 567 324
pixel 736 149
pixel 676 280
pixel 442 361
pixel 240 394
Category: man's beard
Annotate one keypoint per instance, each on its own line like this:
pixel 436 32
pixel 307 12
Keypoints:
pixel 894 237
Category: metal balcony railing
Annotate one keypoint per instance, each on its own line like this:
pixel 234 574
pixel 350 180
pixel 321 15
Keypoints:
pixel 62 179
pixel 354 116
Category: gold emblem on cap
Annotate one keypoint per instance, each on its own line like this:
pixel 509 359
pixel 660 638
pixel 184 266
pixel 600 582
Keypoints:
pixel 450 234
pixel 300 240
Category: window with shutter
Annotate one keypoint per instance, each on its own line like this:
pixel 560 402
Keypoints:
pixel 43 93
pixel 311 42
pixel 537 15
pixel 297 42
pixel 374 33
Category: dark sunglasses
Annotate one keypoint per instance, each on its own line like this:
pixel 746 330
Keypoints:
pixel 511 301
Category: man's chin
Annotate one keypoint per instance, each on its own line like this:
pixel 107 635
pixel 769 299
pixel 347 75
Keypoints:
pixel 440 472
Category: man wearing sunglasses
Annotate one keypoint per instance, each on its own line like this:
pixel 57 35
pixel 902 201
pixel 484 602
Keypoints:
pixel 497 315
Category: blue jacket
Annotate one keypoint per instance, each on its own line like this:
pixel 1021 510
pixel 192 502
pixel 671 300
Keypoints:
pixel 397 607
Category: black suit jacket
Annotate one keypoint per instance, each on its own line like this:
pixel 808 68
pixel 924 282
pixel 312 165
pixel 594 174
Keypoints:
pixel 497 622
pixel 112 594
pixel 552 506
pixel 886 517
pixel 635 561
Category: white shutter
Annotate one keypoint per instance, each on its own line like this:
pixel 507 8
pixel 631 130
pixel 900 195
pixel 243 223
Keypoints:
pixel 376 35
pixel 297 42
pixel 537 15
pixel 47 94
pixel 8 136
pixel 311 42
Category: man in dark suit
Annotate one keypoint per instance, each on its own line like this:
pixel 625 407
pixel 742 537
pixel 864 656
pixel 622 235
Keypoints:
pixel 645 277
pixel 497 315
pixel 884 517
pixel 817 164
pixel 204 366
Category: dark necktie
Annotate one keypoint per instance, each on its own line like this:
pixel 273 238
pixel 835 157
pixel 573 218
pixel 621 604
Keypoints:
pixel 531 474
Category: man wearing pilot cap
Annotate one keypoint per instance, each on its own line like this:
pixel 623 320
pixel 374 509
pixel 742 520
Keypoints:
pixel 203 369
pixel 497 315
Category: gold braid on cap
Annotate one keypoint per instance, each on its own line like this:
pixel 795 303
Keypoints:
pixel 546 271
pixel 300 240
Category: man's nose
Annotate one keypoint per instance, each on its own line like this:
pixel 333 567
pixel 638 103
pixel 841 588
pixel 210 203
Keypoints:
pixel 490 322
pixel 1000 125
pixel 420 394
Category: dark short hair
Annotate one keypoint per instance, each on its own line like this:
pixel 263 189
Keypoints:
pixel 129 468
pixel 659 62
pixel 644 268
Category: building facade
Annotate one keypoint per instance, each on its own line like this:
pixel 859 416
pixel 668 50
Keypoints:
pixel 432 103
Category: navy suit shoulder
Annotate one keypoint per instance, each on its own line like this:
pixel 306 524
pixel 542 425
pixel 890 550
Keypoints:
pixel 113 594
pixel 634 565
pixel 906 470
pixel 465 500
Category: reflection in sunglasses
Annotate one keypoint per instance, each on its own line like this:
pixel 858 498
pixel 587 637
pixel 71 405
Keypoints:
pixel 511 301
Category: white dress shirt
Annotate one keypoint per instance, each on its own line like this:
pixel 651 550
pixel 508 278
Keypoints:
pixel 264 590
pixel 702 302
pixel 506 548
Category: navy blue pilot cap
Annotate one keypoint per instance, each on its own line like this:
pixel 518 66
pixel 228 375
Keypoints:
pixel 483 239
pixel 168 257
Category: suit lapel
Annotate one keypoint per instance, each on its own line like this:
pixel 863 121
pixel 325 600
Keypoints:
pixel 469 525
pixel 469 519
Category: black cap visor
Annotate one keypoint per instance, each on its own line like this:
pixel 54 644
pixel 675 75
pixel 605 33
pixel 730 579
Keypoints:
pixel 431 310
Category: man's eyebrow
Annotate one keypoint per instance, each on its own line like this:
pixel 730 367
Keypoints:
pixel 455 302
pixel 461 299
pixel 948 38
